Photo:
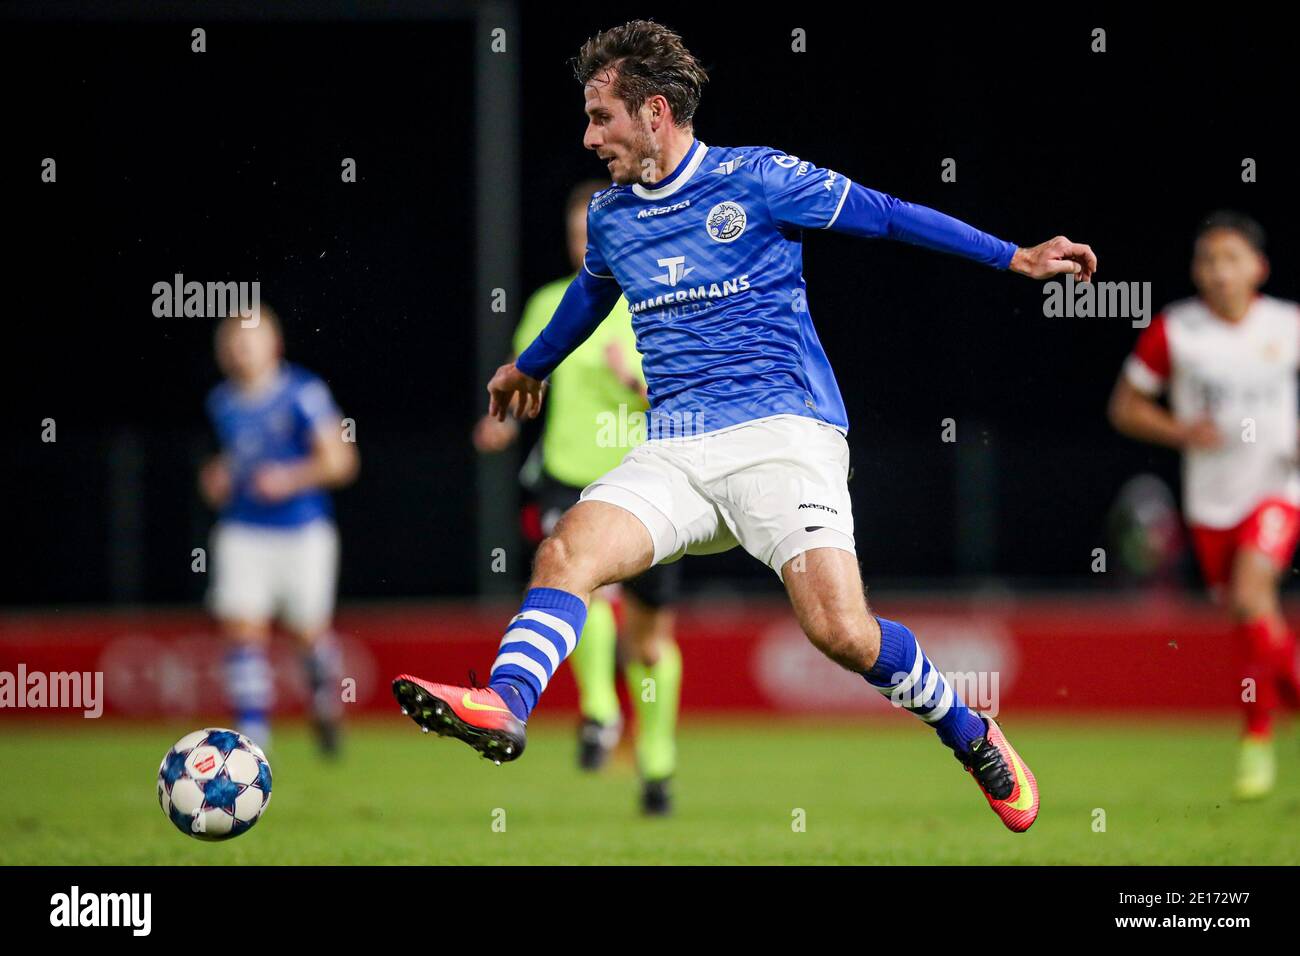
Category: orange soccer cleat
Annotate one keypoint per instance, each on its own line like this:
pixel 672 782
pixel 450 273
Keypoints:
pixel 476 715
pixel 1007 782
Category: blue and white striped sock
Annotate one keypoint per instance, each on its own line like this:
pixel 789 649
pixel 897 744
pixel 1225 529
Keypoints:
pixel 905 675
pixel 249 688
pixel 539 638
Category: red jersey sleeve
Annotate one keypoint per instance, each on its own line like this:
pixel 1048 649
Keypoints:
pixel 1147 369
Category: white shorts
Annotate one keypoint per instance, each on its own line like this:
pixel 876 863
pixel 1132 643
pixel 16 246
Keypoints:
pixel 260 573
pixel 777 486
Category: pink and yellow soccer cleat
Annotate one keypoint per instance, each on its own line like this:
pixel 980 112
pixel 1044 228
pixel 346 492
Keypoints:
pixel 1007 782
pixel 476 715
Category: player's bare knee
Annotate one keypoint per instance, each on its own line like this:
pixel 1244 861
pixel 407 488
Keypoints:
pixel 644 650
pixel 306 636
pixel 563 564
pixel 646 644
pixel 553 556
pixel 1252 592
pixel 1250 601
pixel 245 632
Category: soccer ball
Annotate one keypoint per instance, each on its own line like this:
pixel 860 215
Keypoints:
pixel 214 784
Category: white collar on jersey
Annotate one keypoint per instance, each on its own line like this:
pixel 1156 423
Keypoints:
pixel 674 183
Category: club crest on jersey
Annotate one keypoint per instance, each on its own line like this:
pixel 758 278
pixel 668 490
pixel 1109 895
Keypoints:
pixel 726 221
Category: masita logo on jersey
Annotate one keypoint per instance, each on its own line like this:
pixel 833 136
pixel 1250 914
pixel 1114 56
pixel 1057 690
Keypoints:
pixel 662 210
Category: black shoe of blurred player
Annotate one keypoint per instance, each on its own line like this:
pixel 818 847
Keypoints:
pixel 596 741
pixel 327 737
pixel 656 799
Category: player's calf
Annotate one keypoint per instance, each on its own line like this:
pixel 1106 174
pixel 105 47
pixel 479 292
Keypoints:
pixel 249 681
pixel 322 663
pixel 827 596
pixel 904 674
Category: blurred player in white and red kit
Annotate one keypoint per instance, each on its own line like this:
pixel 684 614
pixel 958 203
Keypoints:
pixel 1228 359
pixel 275 546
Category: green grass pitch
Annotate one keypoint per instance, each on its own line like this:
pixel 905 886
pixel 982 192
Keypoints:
pixel 871 792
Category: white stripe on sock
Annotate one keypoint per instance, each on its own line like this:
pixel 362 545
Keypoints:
pixel 524 661
pixel 559 625
pixel 522 635
pixel 927 690
pixel 899 692
pixel 945 704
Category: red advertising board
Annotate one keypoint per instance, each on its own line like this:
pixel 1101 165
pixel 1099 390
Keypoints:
pixel 1039 654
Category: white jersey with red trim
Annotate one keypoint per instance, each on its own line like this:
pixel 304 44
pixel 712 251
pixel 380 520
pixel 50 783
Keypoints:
pixel 1241 375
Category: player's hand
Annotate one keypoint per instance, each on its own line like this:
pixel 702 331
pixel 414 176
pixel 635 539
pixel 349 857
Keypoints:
pixel 215 483
pixel 1055 257
pixel 1202 435
pixel 275 483
pixel 491 435
pixel 513 392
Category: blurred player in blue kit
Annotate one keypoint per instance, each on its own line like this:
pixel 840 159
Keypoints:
pixel 275 547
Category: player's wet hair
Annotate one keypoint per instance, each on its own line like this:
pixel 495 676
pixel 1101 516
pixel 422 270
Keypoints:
pixel 1238 222
pixel 648 59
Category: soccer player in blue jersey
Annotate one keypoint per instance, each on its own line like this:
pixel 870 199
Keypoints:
pixel 594 386
pixel 274 547
pixel 747 427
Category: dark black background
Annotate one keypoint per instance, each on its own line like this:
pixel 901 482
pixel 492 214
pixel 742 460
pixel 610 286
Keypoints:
pixel 226 165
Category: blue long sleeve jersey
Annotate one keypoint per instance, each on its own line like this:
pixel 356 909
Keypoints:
pixel 711 262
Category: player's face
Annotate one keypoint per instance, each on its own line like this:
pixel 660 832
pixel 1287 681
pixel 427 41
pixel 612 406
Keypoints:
pixel 1226 268
pixel 247 354
pixel 623 140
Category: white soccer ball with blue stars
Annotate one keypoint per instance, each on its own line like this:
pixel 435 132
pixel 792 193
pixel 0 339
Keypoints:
pixel 214 784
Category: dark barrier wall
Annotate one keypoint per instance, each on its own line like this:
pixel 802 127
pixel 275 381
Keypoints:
pixel 227 164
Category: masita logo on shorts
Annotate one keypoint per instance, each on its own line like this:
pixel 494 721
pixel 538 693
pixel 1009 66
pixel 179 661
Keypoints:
pixel 103 909
pixel 726 221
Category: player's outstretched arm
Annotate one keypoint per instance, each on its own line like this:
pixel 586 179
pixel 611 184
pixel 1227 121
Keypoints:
pixel 873 214
pixel 518 387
